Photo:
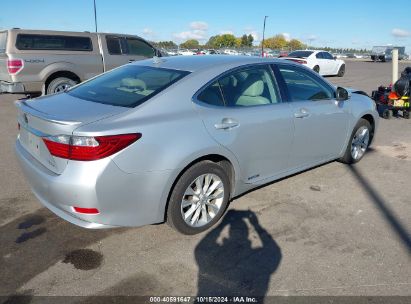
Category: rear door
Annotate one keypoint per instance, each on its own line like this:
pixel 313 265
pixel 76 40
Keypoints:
pixel 321 122
pixel 4 75
pixel 243 112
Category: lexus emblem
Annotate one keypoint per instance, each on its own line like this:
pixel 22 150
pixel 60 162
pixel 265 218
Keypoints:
pixel 26 120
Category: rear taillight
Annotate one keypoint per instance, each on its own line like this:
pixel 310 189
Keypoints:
pixel 86 210
pixel 87 148
pixel 14 66
pixel 299 61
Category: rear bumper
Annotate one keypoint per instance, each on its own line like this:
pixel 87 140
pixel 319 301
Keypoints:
pixel 20 87
pixel 11 87
pixel 122 199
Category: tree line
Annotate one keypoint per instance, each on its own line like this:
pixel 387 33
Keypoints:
pixel 276 42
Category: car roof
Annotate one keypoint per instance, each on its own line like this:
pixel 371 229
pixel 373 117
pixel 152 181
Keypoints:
pixel 196 63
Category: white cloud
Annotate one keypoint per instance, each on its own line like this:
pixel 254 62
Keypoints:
pixel 312 37
pixel 198 31
pixel 199 25
pixel 183 36
pixel 400 33
pixel 149 33
pixel 287 36
pixel 226 32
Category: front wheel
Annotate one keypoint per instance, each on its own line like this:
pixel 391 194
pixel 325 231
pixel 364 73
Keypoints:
pixel 359 142
pixel 199 198
pixel 341 71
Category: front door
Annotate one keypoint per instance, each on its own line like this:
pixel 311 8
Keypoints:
pixel 243 112
pixel 320 121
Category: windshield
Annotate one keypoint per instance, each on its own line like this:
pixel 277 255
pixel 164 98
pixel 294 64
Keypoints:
pixel 300 54
pixel 127 86
pixel 379 49
pixel 3 41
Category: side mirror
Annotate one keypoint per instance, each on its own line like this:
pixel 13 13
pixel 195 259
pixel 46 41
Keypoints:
pixel 341 94
pixel 335 57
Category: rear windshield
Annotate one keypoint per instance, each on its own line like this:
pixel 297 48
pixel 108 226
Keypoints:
pixel 53 42
pixel 3 41
pixel 127 86
pixel 300 54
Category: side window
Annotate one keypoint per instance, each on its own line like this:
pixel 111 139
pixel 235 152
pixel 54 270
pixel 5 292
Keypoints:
pixel 319 55
pixel 302 86
pixel 113 45
pixel 328 56
pixel 138 47
pixel 53 42
pixel 249 87
pixel 212 95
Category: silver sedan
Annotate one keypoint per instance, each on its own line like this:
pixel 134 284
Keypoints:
pixel 175 139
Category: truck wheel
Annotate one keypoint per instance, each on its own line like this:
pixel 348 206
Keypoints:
pixel 316 69
pixel 60 84
pixel 341 71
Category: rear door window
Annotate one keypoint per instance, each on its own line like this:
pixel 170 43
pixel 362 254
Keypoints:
pixel 212 95
pixel 3 42
pixel 319 55
pixel 249 87
pixel 127 86
pixel 139 47
pixel 53 42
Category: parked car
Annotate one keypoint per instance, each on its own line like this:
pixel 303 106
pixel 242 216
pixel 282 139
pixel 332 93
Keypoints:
pixel 384 53
pixel 320 61
pixel 174 139
pixel 52 61
pixel 186 52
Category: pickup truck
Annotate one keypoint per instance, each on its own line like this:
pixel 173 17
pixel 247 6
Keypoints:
pixel 47 62
pixel 384 53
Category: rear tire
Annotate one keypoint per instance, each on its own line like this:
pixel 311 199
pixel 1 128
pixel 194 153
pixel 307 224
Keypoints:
pixel 60 84
pixel 191 209
pixel 316 69
pixel 358 144
pixel 341 71
pixel 406 114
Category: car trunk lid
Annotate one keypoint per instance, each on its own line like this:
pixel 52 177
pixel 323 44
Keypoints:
pixel 55 115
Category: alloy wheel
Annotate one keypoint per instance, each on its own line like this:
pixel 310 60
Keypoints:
pixel 202 200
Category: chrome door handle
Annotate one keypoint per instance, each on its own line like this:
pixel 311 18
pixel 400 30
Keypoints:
pixel 227 123
pixel 303 113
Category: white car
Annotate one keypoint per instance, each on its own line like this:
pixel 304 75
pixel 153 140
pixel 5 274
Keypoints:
pixel 186 52
pixel 320 61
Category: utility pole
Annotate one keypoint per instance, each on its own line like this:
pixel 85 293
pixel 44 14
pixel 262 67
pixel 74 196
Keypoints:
pixel 262 44
pixel 394 66
pixel 95 15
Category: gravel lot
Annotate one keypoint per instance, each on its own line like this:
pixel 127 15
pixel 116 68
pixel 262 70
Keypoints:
pixel 332 230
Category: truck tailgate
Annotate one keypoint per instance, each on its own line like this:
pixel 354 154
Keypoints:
pixel 4 74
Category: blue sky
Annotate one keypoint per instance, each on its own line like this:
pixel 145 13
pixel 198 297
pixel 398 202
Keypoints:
pixel 348 23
